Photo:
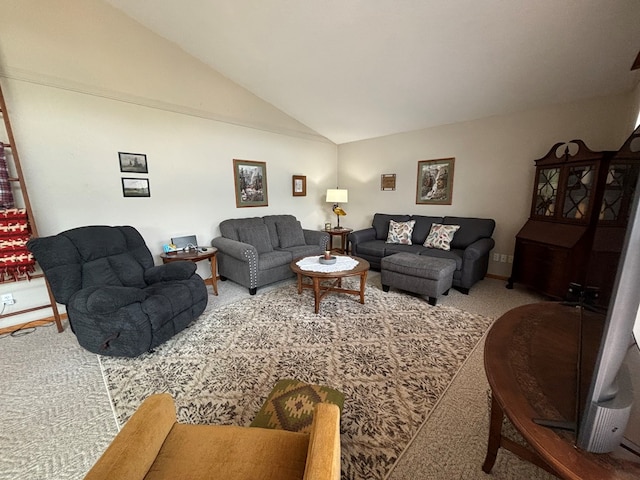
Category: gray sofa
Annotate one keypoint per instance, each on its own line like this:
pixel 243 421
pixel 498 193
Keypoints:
pixel 257 251
pixel 470 245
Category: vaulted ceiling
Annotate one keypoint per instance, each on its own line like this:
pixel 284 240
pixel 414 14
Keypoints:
pixel 357 69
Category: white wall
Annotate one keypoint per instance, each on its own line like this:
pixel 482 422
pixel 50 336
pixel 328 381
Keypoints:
pixel 71 115
pixel 494 163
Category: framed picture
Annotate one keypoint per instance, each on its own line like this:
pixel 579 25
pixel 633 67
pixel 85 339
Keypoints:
pixel 133 162
pixel 251 183
pixel 388 181
pixel 327 226
pixel 299 186
pixel 135 187
pixel 435 182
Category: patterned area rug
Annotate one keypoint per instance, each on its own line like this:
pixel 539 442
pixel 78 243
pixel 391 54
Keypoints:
pixel 393 358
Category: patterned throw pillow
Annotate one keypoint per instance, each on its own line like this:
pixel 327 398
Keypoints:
pixel 400 232
pixel 440 236
pixel 291 403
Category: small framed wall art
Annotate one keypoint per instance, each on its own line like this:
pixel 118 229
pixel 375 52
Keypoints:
pixel 388 181
pixel 251 183
pixel 435 182
pixel 133 162
pixel 299 186
pixel 135 187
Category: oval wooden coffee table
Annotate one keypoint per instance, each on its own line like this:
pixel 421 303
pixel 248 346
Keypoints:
pixel 320 289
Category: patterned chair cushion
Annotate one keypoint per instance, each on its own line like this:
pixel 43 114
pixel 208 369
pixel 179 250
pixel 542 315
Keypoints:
pixel 290 405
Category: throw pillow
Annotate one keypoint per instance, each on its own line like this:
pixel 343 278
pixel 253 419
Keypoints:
pixel 290 234
pixel 256 235
pixel 291 403
pixel 400 232
pixel 440 236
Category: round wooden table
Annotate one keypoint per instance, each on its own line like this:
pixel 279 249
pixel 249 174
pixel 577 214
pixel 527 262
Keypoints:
pixel 320 289
pixel 196 256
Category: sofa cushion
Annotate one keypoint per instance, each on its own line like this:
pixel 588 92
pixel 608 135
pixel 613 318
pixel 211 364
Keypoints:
pixel 273 259
pixel 440 236
pixel 400 232
pixel 471 230
pixel 422 227
pixel 256 235
pixel 290 234
pixel 381 223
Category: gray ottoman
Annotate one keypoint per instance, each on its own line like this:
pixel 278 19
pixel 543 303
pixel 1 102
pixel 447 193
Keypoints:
pixel 418 274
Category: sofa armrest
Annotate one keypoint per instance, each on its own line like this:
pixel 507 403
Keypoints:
pixel 479 249
pixel 323 455
pixel 106 299
pixel 182 270
pixel 360 236
pixel 234 248
pixel 316 237
pixel 136 446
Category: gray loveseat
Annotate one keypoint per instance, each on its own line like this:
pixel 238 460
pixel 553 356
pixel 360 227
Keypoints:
pixel 257 251
pixel 470 245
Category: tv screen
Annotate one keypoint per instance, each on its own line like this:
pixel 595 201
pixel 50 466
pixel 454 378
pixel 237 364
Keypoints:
pixel 605 415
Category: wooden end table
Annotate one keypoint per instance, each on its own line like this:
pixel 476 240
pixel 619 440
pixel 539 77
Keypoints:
pixel 196 256
pixel 320 289
pixel 343 233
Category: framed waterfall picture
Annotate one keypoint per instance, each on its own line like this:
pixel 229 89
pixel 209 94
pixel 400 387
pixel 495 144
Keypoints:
pixel 435 182
pixel 251 183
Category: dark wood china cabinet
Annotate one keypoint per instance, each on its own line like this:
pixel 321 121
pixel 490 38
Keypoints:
pixel 579 213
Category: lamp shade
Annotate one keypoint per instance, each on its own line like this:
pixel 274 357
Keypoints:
pixel 337 195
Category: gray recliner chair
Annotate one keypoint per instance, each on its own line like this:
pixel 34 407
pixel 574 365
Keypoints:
pixel 118 303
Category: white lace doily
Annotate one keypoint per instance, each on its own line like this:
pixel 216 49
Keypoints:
pixel 313 264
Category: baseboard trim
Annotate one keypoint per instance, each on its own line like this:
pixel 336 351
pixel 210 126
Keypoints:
pixel 496 277
pixel 31 324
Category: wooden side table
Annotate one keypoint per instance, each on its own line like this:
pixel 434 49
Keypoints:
pixel 196 256
pixel 343 233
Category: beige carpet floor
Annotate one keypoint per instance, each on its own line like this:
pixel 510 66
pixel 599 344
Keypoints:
pixel 57 417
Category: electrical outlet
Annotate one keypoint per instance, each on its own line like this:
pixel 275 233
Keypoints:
pixel 496 257
pixel 510 259
pixel 7 299
pixel 503 257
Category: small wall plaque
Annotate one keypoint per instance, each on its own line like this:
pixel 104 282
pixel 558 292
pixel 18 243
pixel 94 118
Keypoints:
pixel 388 181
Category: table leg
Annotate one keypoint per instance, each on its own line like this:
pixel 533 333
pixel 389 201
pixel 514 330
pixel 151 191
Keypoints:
pixel 214 274
pixel 316 293
pixel 495 434
pixel 299 284
pixel 363 282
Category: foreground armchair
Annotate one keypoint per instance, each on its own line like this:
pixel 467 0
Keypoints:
pixel 152 445
pixel 118 302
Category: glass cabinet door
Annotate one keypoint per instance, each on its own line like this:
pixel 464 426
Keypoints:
pixel 580 181
pixel 618 192
pixel 546 192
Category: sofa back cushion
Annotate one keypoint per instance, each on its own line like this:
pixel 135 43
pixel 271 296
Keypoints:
pixel 271 222
pixel 471 230
pixel 230 228
pixel 290 234
pixel 422 227
pixel 381 223
pixel 256 235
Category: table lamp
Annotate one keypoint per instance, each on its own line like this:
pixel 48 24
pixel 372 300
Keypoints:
pixel 335 196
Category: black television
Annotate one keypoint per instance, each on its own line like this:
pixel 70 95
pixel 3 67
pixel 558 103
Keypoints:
pixel 604 416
